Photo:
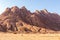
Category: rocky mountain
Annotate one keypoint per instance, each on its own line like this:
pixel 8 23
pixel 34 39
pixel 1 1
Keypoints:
pixel 21 20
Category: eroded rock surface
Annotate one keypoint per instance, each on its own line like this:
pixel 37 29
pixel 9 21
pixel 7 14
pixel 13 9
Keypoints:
pixel 21 20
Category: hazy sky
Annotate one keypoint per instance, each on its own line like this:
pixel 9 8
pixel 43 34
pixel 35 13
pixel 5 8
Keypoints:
pixel 50 5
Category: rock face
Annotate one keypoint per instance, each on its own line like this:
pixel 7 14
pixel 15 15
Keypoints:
pixel 21 20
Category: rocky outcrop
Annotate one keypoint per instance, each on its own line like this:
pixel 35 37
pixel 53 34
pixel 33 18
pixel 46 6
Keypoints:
pixel 21 20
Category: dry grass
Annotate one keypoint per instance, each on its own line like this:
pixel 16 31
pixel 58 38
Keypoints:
pixel 10 36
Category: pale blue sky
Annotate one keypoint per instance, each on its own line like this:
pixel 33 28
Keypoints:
pixel 32 5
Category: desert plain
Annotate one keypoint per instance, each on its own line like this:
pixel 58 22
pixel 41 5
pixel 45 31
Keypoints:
pixel 37 36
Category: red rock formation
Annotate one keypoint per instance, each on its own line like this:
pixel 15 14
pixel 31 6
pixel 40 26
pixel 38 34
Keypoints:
pixel 22 20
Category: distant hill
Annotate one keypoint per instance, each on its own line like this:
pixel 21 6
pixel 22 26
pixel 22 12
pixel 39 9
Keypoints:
pixel 21 20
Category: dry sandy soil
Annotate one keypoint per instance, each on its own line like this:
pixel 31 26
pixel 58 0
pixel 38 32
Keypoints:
pixel 10 36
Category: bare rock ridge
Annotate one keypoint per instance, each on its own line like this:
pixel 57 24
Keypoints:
pixel 21 20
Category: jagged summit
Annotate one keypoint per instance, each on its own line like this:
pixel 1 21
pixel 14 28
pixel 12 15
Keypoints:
pixel 37 11
pixel 44 11
pixel 7 9
pixel 15 9
pixel 23 21
pixel 23 7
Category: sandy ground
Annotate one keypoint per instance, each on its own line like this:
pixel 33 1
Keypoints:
pixel 10 36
